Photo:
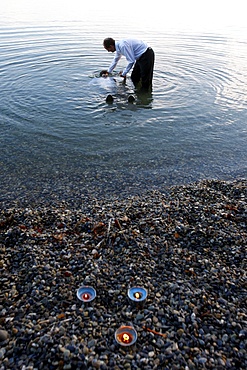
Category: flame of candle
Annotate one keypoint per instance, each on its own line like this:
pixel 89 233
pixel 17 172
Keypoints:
pixel 126 338
pixel 138 295
pixel 86 296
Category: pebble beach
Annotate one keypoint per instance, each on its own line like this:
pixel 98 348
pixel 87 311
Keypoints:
pixel 185 245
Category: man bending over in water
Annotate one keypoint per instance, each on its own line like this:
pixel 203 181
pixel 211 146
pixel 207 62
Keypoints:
pixel 138 54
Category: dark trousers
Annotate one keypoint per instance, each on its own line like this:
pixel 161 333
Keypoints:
pixel 143 70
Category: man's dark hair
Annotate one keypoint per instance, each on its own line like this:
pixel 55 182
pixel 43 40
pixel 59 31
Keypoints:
pixel 108 42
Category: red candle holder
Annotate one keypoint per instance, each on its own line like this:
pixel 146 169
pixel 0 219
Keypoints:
pixel 126 335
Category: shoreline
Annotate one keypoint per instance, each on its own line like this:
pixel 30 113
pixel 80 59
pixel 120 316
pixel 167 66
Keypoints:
pixel 71 189
pixel 186 245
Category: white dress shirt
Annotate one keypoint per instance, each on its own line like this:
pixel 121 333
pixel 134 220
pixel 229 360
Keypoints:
pixel 132 50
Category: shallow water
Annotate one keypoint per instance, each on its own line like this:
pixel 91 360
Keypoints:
pixel 55 125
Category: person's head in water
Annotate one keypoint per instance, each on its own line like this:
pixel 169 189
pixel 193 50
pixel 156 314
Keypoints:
pixel 103 73
pixel 109 44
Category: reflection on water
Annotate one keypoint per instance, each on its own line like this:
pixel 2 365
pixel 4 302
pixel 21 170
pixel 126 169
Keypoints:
pixel 55 122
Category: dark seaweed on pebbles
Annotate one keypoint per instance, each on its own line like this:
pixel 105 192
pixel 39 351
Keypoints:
pixel 187 247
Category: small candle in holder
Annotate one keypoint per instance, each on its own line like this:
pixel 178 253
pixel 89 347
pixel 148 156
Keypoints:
pixel 86 293
pixel 137 294
pixel 126 335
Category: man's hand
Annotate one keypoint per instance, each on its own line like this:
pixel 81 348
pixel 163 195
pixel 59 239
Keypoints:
pixel 124 77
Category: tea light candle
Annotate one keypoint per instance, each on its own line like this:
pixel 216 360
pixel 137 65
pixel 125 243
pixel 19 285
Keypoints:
pixel 137 294
pixel 126 336
pixel 86 293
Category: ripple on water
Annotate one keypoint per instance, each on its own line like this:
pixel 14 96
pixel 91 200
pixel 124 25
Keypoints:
pixel 51 105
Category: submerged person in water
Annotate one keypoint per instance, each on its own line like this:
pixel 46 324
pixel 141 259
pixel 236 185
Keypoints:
pixel 138 54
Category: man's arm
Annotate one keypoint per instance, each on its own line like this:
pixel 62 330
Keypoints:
pixel 127 69
pixel 128 52
pixel 114 62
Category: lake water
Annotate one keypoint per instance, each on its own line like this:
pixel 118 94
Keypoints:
pixel 57 132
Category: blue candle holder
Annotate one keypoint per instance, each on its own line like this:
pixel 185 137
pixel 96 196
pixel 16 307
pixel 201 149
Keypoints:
pixel 137 294
pixel 86 293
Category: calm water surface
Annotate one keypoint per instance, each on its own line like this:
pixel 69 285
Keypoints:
pixel 56 129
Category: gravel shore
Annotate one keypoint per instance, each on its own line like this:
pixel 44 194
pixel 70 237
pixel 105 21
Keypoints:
pixel 186 246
